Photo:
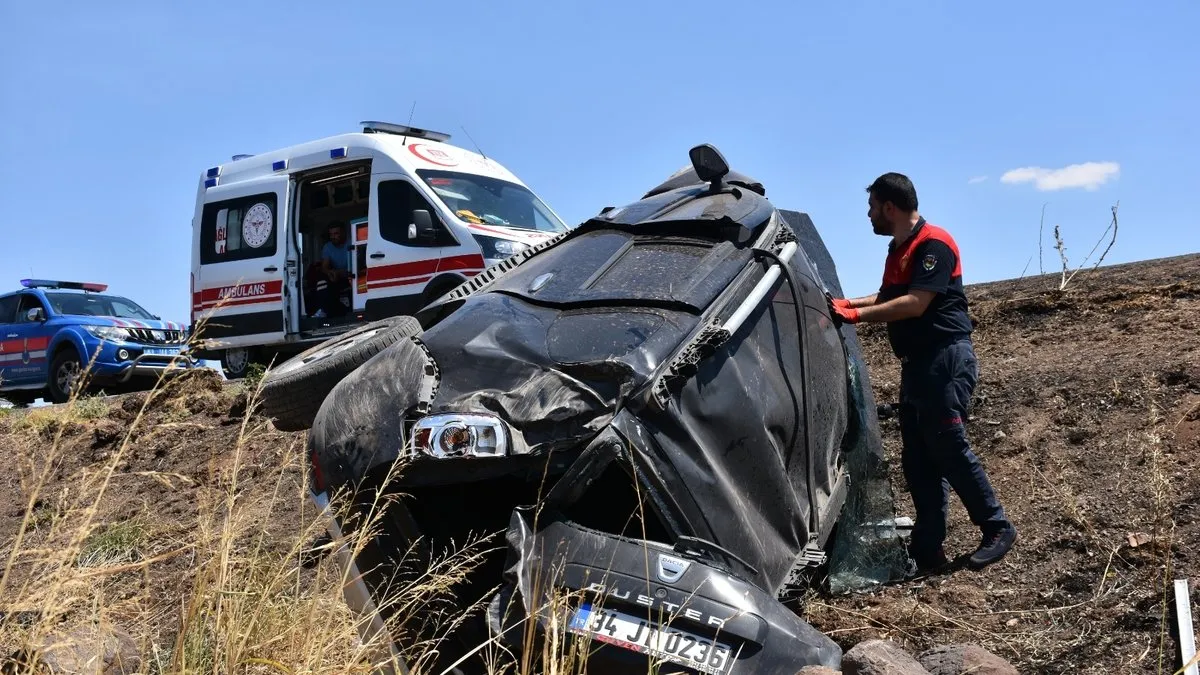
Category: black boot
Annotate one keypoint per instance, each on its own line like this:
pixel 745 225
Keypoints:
pixel 993 546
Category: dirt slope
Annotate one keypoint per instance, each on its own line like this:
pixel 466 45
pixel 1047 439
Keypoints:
pixel 1087 417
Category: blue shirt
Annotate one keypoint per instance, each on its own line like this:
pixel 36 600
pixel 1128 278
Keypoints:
pixel 339 257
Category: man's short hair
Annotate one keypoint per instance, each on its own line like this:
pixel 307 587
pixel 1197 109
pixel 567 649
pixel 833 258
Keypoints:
pixel 333 224
pixel 895 188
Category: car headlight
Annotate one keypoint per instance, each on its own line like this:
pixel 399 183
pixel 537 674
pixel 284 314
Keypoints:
pixel 494 247
pixel 111 333
pixel 444 436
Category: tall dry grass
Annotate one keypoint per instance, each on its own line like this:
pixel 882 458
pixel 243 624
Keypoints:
pixel 93 575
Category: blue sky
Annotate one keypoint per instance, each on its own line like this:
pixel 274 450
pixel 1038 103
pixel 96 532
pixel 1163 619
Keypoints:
pixel 111 111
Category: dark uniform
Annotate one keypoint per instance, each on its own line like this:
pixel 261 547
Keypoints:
pixel 938 376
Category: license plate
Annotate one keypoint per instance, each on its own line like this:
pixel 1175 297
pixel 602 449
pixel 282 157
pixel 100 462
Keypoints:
pixel 162 351
pixel 646 637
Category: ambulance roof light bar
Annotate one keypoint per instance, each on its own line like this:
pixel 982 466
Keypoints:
pixel 73 285
pixel 370 127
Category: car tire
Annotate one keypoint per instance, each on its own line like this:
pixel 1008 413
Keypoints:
pixel 293 392
pixel 66 359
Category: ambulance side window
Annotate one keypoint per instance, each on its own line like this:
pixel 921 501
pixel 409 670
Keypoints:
pixel 397 201
pixel 221 234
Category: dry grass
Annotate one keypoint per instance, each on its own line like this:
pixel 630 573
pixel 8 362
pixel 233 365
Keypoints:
pixel 240 594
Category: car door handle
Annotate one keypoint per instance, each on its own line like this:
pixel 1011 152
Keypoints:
pixel 376 255
pixel 272 268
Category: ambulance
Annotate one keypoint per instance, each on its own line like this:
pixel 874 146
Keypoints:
pixel 413 216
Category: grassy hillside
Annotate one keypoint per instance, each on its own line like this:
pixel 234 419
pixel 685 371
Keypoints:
pixel 180 520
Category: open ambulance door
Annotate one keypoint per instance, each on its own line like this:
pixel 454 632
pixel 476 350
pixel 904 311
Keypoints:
pixel 239 298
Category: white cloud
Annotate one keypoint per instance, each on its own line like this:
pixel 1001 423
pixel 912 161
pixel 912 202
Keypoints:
pixel 1089 176
pixel 977 179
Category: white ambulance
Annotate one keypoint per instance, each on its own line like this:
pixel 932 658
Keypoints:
pixel 417 217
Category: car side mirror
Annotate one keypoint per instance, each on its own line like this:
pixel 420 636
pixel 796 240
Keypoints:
pixel 708 163
pixel 422 225
pixel 36 314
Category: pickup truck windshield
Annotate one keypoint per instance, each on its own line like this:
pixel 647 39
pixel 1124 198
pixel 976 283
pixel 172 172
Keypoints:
pixel 75 304
pixel 490 201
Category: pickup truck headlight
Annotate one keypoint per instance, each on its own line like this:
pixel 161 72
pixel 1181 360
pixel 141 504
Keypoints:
pixel 110 333
pixel 445 436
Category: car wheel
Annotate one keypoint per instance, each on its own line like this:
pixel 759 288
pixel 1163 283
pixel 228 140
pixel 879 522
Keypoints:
pixel 65 370
pixel 235 362
pixel 292 393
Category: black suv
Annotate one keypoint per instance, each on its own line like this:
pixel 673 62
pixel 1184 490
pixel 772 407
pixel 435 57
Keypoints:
pixel 646 422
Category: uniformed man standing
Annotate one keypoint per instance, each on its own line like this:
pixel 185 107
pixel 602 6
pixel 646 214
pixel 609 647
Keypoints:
pixel 925 308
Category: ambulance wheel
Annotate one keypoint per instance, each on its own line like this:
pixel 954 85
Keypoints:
pixel 235 362
pixel 293 391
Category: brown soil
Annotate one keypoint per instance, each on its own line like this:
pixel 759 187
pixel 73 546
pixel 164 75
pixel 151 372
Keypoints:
pixel 179 467
pixel 1087 417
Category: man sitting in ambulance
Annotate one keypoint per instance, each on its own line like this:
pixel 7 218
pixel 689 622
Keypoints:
pixel 335 265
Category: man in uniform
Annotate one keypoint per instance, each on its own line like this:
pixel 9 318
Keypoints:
pixel 925 308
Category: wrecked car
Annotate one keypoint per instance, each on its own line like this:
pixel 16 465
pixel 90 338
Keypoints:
pixel 645 420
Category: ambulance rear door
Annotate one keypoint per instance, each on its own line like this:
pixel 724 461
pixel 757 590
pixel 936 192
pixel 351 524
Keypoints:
pixel 239 296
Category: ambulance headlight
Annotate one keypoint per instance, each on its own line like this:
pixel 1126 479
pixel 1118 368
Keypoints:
pixel 110 333
pixel 496 248
pixel 446 436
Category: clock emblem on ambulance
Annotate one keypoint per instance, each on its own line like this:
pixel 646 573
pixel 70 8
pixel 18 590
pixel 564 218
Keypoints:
pixel 256 225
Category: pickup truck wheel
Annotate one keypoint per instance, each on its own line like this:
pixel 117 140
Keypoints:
pixel 65 369
pixel 292 393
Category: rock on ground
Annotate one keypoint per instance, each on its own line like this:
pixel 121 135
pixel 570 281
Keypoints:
pixel 957 659
pixel 880 657
pixel 818 670
pixel 89 650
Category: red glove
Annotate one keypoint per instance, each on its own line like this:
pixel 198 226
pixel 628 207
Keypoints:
pixel 845 313
pixel 841 311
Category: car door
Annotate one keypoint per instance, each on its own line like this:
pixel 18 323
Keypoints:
pixel 11 347
pixel 26 342
pixel 240 297
pixel 398 264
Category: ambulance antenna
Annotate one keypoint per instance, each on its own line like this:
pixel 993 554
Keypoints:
pixel 410 119
pixel 473 141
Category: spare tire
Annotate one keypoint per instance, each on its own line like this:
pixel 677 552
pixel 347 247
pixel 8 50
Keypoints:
pixel 293 391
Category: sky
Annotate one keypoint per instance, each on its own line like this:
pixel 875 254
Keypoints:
pixel 112 111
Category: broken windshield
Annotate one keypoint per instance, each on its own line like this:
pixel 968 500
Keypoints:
pixel 481 200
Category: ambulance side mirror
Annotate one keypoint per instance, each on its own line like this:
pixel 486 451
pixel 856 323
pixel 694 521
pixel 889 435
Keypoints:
pixel 421 226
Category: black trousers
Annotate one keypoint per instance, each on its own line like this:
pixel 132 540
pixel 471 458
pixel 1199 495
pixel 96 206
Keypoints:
pixel 935 394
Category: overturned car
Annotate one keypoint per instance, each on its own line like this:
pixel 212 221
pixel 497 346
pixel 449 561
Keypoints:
pixel 644 421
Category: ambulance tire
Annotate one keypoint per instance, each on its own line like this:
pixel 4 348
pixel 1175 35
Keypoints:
pixel 293 391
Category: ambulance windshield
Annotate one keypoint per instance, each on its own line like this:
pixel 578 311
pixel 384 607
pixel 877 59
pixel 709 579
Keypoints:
pixel 482 200
pixel 91 304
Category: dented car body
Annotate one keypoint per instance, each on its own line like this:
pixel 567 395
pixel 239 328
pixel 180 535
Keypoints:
pixel 649 414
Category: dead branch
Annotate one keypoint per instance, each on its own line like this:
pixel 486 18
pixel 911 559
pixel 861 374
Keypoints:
pixel 1111 226
pixel 1041 237
pixel 1062 254
pixel 1067 274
